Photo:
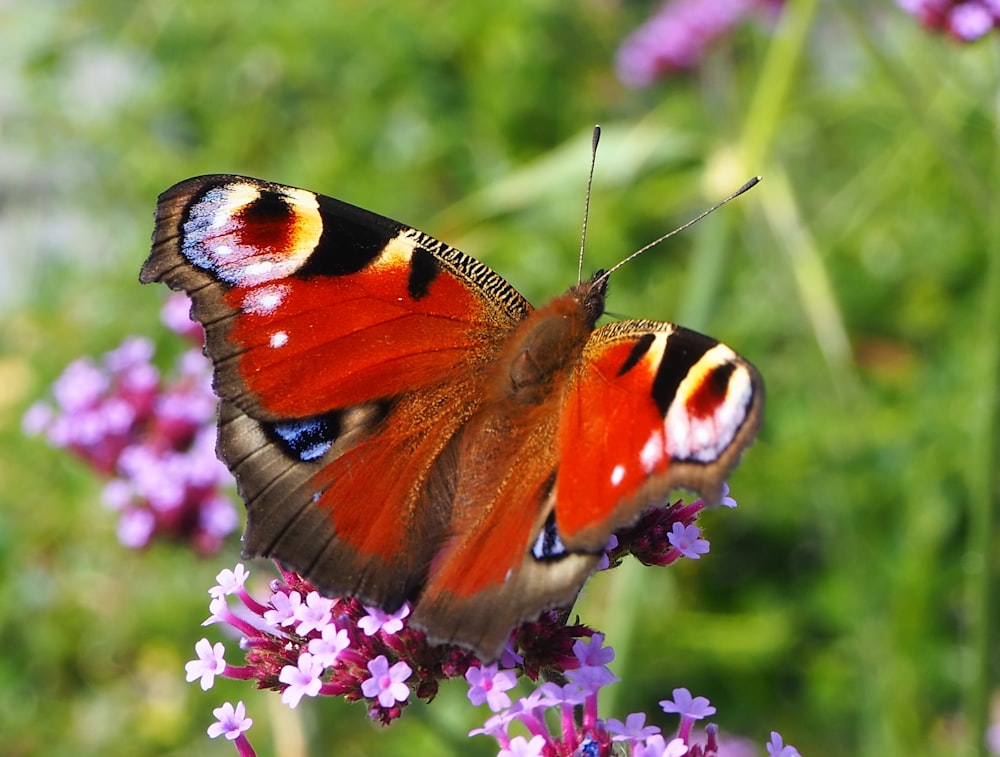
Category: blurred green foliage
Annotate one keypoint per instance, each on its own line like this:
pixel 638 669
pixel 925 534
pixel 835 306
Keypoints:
pixel 846 602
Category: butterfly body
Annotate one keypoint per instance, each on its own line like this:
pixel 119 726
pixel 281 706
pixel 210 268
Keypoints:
pixel 404 426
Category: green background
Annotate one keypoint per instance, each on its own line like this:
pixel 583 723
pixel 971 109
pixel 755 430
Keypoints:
pixel 846 602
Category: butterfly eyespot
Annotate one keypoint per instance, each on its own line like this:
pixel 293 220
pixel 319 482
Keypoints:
pixel 247 235
pixel 549 545
pixel 715 399
pixel 308 439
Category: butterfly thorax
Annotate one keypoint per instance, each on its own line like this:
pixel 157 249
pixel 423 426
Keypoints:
pixel 547 344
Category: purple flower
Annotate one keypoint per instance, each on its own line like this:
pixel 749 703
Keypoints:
pixel 488 685
pixel 210 663
pixel 690 709
pixel 328 647
pixel 285 606
pixel 387 684
pixel 135 528
pixel 652 538
pixel 495 726
pixel 687 540
pixel 634 728
pixel 656 746
pixel 971 20
pixel 776 747
pixel 378 620
pixel 302 679
pixel 676 37
pixel 591 652
pixel 176 316
pixel 80 386
pixel 152 437
pixel 305 644
pixel 230 722
pixel 684 705
pixel 964 20
pixel 591 678
pixel 313 614
pixel 521 747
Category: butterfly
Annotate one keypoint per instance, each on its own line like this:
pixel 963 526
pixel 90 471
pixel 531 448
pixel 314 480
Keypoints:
pixel 404 426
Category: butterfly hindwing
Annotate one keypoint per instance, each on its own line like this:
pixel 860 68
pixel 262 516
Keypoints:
pixel 677 409
pixel 644 408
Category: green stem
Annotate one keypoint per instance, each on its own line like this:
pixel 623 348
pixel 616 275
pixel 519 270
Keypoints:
pixel 984 488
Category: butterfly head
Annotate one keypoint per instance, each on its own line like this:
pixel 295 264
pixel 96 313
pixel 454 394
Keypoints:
pixel 591 295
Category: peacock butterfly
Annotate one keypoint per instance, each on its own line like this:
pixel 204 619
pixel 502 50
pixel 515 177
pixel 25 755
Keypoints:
pixel 404 426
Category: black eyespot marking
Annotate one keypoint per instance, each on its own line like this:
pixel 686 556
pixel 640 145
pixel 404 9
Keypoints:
pixel 683 350
pixel 424 268
pixel 718 381
pixel 308 439
pixel 548 545
pixel 640 348
pixel 267 208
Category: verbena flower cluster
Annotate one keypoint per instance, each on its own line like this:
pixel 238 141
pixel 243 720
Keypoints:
pixel 151 437
pixel 305 645
pixel 676 37
pixel 964 20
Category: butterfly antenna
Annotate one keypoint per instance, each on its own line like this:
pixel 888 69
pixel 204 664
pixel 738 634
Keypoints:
pixel 749 185
pixel 586 204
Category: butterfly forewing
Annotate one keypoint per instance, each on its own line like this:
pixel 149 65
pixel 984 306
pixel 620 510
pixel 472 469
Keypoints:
pixel 312 304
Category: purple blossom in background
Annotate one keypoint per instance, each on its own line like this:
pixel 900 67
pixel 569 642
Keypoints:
pixel 152 436
pixel 676 37
pixel 964 20
pixel 776 747
pixel 232 722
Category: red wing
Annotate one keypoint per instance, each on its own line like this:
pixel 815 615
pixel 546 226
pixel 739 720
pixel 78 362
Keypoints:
pixel 652 407
pixel 347 351
pixel 312 304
